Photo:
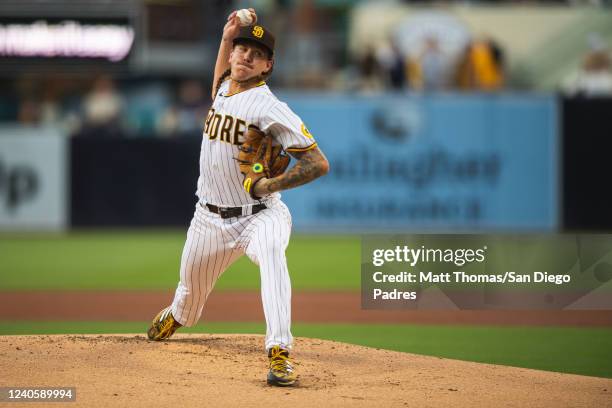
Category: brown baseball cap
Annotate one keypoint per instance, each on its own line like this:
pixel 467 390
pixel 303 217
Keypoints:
pixel 257 34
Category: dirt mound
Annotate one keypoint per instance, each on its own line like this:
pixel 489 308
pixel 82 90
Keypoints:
pixel 229 370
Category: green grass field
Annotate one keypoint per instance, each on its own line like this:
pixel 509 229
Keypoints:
pixel 141 260
pixel 149 259
pixel 569 350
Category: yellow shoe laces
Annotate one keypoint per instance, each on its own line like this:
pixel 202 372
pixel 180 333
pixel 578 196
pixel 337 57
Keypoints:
pixel 168 325
pixel 279 359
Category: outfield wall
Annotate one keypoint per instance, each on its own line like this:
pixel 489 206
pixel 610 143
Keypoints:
pixel 425 163
pixel 133 182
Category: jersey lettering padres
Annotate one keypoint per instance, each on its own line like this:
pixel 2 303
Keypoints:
pixel 220 181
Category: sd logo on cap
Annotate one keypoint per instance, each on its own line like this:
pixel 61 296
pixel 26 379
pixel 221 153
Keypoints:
pixel 258 31
pixel 257 34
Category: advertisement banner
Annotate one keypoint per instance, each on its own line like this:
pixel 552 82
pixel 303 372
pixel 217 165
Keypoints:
pixel 65 43
pixel 442 162
pixel 33 186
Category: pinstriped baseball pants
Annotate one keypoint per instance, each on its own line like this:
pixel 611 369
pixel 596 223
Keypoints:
pixel 214 243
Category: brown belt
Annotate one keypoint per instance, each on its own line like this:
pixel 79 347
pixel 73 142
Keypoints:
pixel 229 212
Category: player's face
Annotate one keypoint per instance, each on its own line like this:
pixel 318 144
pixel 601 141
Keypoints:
pixel 248 60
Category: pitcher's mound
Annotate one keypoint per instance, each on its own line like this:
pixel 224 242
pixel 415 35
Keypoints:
pixel 230 370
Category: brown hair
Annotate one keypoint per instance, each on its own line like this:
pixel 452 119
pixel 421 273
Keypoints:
pixel 264 76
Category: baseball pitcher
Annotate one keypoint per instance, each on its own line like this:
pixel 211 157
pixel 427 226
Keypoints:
pixel 247 139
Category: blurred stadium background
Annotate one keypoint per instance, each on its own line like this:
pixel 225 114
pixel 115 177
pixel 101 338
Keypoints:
pixel 435 116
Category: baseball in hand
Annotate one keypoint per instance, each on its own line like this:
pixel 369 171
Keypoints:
pixel 245 16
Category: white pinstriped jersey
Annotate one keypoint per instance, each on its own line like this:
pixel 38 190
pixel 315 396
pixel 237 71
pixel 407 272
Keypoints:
pixel 220 181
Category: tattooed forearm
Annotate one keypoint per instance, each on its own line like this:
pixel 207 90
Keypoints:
pixel 310 165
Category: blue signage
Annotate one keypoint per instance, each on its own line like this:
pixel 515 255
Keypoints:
pixel 438 162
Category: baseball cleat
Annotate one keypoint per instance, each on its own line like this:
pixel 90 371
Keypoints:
pixel 281 372
pixel 163 326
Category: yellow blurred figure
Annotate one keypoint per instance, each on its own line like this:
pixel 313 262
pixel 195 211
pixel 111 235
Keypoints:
pixel 479 69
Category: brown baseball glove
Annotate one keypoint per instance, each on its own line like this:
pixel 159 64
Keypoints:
pixel 258 158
